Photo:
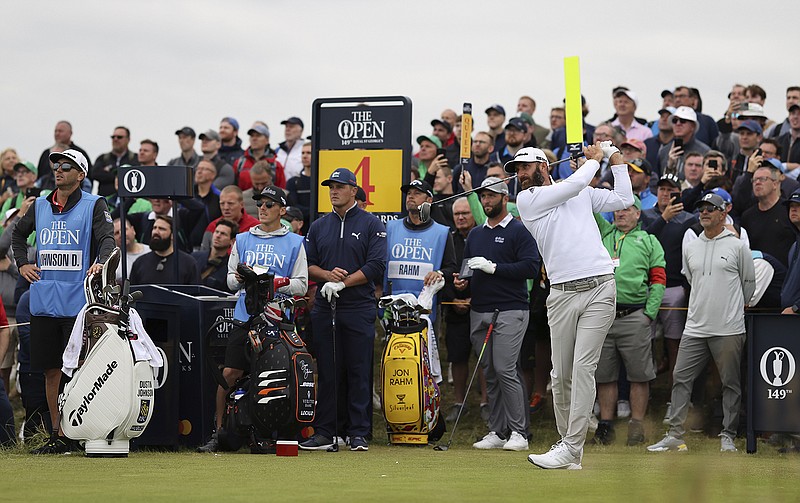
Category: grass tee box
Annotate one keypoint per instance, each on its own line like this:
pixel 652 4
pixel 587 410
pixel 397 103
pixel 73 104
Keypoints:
pixel 394 473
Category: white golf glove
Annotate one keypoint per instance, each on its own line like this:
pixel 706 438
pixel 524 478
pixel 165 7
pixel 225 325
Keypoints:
pixel 483 264
pixel 426 295
pixel 331 289
pixel 608 149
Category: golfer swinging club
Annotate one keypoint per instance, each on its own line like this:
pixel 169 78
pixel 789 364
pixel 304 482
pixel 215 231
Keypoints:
pixel 581 304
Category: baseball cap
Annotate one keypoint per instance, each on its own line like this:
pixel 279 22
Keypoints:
pixel 753 110
pixel 686 113
pixel 640 166
pixel 751 125
pixel 187 131
pixel 497 108
pixel 711 199
pixel 293 213
pixel 494 184
pixel 721 193
pixel 794 198
pixel 671 110
pixel 73 157
pixel 526 117
pixel 293 120
pixel 794 107
pixel 272 192
pixel 635 143
pixel 9 215
pixel 637 203
pixel 341 175
pixel 420 185
pixel 630 94
pixel 27 165
pixel 527 154
pixel 258 129
pixel 429 137
pixel 361 195
pixel 517 123
pixel 666 92
pixel 210 135
pixel 669 179
pixel 233 122
pixel 442 123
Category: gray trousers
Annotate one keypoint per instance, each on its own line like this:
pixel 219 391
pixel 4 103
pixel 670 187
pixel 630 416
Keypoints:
pixel 579 322
pixel 501 366
pixel 693 354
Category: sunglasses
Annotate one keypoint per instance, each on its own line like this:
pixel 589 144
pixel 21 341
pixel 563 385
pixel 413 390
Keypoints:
pixel 676 120
pixel 707 209
pixel 63 166
pixel 117 137
pixel 160 266
pixel 268 204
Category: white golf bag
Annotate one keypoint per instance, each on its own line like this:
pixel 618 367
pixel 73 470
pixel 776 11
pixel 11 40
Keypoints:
pixel 110 398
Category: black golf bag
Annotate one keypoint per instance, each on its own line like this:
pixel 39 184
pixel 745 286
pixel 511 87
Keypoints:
pixel 279 394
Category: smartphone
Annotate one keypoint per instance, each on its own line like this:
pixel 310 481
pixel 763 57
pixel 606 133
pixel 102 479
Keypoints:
pixel 465 272
pixel 441 152
pixel 713 163
pixel 33 192
pixel 678 143
pixel 758 152
pixel 674 198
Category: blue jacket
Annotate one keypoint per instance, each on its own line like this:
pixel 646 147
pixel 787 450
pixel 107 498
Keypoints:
pixel 355 242
pixel 790 292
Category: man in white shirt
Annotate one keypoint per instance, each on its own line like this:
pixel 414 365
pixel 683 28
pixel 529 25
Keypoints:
pixel 582 301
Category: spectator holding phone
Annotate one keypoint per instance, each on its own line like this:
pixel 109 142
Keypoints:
pixel 684 127
pixel 25 173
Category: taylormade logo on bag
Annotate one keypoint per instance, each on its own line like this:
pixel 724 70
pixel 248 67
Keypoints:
pixel 76 416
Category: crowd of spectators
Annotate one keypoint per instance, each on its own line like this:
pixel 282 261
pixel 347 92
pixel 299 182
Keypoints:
pixel 675 159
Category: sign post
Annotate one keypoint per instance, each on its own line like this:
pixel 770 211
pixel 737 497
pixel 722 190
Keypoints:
pixel 372 138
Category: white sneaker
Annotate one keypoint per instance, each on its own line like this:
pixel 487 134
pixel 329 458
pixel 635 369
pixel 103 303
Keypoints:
pixel 726 444
pixel 558 457
pixel 516 442
pixel 623 409
pixel 668 415
pixel 668 443
pixel 593 423
pixel 490 441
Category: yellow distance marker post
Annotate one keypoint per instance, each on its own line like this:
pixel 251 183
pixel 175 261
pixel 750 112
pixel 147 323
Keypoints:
pixel 466 133
pixel 573 106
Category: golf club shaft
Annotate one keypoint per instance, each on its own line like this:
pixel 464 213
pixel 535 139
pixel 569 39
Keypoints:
pixel 467 192
pixel 335 447
pixel 474 372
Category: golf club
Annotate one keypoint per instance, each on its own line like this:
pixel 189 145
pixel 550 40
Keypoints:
pixel 335 446
pixel 469 386
pixel 425 208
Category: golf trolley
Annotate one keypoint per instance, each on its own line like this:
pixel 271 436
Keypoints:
pixel 410 396
pixel 279 394
pixel 110 398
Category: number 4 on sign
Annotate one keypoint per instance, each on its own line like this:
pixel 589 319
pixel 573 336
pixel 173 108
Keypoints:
pixel 363 169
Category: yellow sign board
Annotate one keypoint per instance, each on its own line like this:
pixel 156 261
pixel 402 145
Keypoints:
pixel 574 109
pixel 379 173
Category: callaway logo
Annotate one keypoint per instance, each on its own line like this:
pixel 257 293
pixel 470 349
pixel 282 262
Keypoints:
pixel 335 174
pixel 356 234
pixel 76 416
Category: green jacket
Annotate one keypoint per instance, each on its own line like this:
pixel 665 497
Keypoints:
pixel 640 276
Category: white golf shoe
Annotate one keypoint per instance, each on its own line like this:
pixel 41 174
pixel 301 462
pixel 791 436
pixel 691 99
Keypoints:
pixel 490 441
pixel 668 443
pixel 558 457
pixel 516 442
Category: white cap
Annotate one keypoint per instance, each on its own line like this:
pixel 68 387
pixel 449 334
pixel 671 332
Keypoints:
pixel 686 113
pixel 630 94
pixel 76 158
pixel 527 154
pixel 753 110
pixel 494 184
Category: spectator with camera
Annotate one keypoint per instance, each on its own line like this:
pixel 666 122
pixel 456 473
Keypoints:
pixel 25 174
pixel 684 129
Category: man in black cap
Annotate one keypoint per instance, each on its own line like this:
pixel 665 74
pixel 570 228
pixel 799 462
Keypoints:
pixel 289 152
pixel 346 253
pixel 515 139
pixel 188 157
pixel 420 254
pixel 495 118
pixel 270 246
pixel 790 293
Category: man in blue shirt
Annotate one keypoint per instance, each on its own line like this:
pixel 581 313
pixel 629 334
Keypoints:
pixel 502 255
pixel 346 257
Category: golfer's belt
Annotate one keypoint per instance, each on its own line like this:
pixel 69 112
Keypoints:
pixel 583 284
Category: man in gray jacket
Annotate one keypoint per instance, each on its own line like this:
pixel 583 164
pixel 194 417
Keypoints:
pixel 719 268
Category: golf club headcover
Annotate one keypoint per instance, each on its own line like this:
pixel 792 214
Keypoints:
pixel 426 295
pixel 483 264
pixel 280 282
pixel 608 149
